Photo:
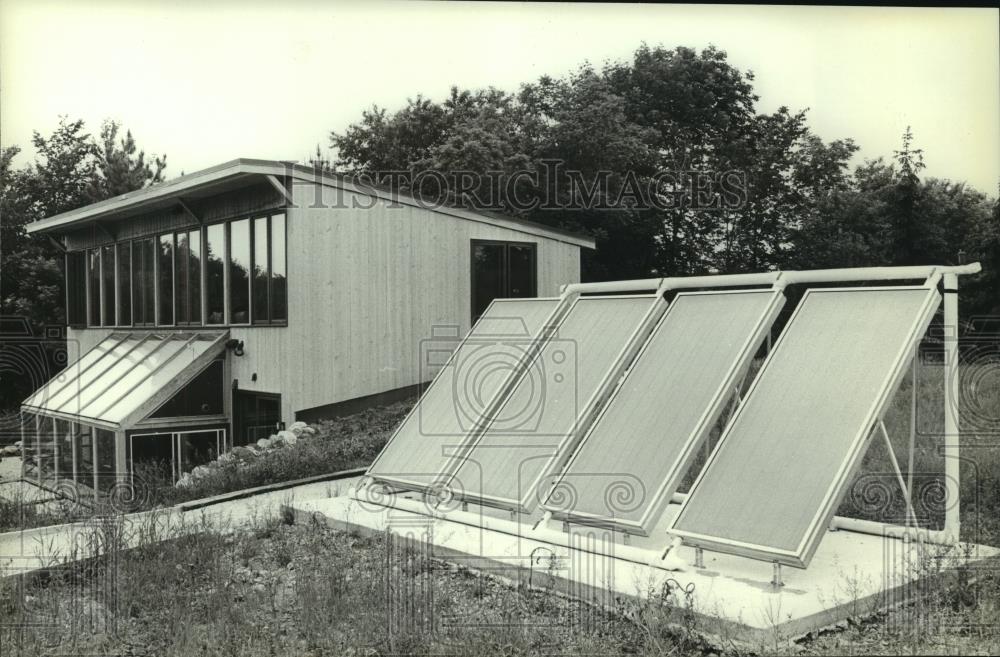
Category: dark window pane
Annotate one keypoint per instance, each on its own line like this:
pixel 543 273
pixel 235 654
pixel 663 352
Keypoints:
pixel 215 254
pixel 94 287
pixel 152 454
pixel 65 440
pixel 239 272
pixel 279 271
pixel 260 270
pixel 143 304
pixel 124 284
pixel 521 271
pixel 197 448
pixel 46 446
pixel 183 285
pixel 202 396
pixel 166 279
pixel 194 276
pixel 487 276
pixel 108 284
pixel 84 456
pixel 76 288
pixel 106 472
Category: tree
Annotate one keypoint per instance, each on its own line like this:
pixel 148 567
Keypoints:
pixel 615 132
pixel 119 165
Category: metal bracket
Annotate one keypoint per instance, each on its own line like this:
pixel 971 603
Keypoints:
pixel 699 557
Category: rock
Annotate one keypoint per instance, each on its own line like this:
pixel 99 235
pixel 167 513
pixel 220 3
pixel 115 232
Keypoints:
pixel 311 431
pixel 11 450
pixel 200 472
pixel 287 437
pixel 264 443
pixel 243 453
pixel 185 481
pixel 297 427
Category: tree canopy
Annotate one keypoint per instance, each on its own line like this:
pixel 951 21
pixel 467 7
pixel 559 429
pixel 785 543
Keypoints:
pixel 667 161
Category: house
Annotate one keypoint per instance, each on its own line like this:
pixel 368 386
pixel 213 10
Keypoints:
pixel 206 311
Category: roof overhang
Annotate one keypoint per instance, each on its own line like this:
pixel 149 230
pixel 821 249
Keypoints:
pixel 245 172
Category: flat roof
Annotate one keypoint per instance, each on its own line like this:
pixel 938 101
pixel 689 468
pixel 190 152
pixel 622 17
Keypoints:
pixel 243 172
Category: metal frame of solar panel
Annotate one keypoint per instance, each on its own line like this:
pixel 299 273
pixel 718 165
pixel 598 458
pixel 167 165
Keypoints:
pixel 773 469
pixel 411 445
pixel 550 435
pixel 663 409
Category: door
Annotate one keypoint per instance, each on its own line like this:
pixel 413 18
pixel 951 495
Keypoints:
pixel 502 270
pixel 256 415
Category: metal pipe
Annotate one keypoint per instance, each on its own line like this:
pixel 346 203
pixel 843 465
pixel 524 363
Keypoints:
pixel 612 286
pixel 893 531
pixel 784 277
pixel 874 274
pixel 952 522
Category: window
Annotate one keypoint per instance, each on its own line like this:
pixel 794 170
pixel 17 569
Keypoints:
pixel 124 267
pixel 165 280
pixel 143 282
pixel 188 261
pixel 269 289
pixel 93 287
pixel 215 276
pixel 239 272
pixel 105 470
pixel 202 396
pixel 108 285
pixel 84 456
pixel 501 270
pixel 76 288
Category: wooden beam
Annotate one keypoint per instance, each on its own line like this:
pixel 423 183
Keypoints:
pixel 188 211
pixel 280 187
pixel 104 229
pixel 57 243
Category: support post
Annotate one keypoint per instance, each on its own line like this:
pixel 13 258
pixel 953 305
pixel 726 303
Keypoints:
pixel 699 557
pixel 776 581
pixel 952 522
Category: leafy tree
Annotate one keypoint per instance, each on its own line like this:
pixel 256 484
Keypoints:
pixel 70 170
pixel 678 111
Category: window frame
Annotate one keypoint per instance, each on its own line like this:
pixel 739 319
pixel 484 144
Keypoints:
pixel 137 262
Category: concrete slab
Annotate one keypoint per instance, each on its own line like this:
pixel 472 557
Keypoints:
pixel 733 599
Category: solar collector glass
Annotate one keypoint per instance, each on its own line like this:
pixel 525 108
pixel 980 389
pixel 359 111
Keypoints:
pixel 643 441
pixel 465 387
pixel 544 409
pixel 776 472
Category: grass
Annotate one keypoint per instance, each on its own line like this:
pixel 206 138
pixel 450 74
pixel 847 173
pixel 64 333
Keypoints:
pixel 280 589
pixel 276 588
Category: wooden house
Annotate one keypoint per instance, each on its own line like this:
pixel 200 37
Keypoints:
pixel 207 311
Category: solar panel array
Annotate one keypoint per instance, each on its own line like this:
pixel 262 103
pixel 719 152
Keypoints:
pixel 599 415
pixel 632 459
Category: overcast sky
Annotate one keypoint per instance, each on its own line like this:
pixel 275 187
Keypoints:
pixel 210 81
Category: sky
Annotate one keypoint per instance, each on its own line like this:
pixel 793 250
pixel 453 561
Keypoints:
pixel 209 81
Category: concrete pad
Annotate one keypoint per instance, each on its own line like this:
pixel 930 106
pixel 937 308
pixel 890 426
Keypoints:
pixel 733 599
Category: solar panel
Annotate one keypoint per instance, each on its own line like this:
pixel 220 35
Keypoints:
pixel 544 412
pixel 470 381
pixel 633 457
pixel 774 480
